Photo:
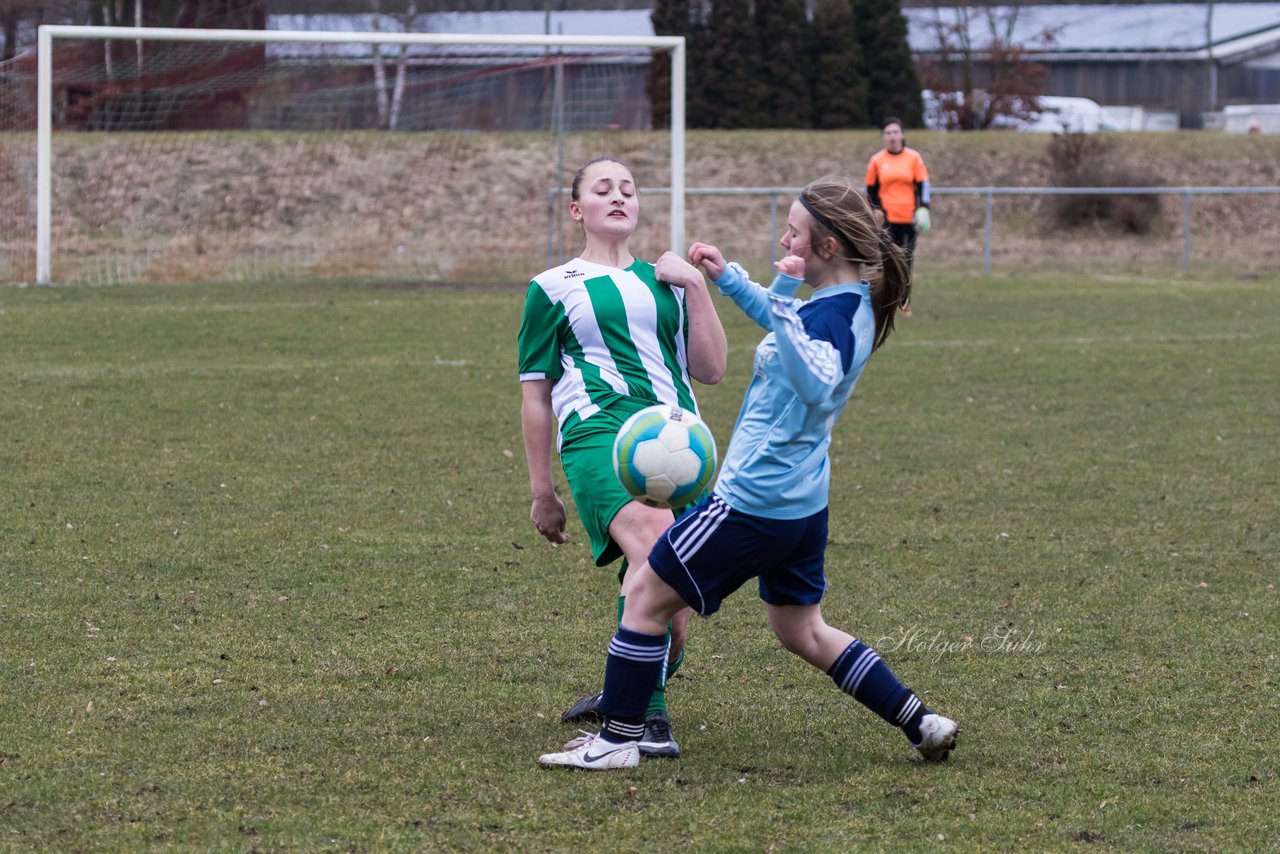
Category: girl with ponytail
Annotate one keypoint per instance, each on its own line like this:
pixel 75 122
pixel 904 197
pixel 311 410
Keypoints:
pixel 767 516
pixel 837 210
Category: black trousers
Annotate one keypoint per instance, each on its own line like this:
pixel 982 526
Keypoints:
pixel 904 234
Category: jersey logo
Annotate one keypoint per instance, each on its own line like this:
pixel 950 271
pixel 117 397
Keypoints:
pixel 572 274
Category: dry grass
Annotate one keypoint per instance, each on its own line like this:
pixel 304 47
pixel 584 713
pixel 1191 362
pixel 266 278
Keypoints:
pixel 463 207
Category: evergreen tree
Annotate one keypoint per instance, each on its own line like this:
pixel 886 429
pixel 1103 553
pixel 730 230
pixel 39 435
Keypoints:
pixel 731 85
pixel 680 18
pixel 669 18
pixel 893 88
pixel 783 26
pixel 837 83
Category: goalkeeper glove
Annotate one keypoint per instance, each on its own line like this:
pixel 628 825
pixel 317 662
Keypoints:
pixel 921 220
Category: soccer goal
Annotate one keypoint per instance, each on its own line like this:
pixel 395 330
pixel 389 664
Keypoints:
pixel 188 155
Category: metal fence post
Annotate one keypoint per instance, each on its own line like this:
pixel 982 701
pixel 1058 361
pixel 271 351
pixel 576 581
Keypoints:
pixel 773 227
pixel 986 241
pixel 1186 230
pixel 551 226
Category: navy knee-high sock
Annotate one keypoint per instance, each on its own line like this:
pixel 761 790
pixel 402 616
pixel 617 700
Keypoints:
pixel 657 702
pixel 631 673
pixel 861 674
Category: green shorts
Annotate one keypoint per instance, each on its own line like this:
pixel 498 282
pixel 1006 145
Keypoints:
pixel 587 457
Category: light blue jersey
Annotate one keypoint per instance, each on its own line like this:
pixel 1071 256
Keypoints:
pixel 805 369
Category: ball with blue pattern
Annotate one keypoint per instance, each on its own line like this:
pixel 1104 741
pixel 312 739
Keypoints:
pixel 664 456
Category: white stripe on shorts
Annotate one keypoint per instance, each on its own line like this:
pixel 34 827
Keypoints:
pixel 691 539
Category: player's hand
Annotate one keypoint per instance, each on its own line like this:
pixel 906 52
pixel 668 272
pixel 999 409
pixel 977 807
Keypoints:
pixel 921 220
pixel 548 516
pixel 791 265
pixel 709 258
pixel 676 271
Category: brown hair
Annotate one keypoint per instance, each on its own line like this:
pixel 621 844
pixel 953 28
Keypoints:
pixel 840 210
pixel 577 178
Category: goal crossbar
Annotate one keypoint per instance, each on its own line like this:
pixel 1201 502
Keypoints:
pixel 44 98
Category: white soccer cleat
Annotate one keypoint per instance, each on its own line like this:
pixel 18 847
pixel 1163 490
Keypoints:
pixel 594 754
pixel 937 737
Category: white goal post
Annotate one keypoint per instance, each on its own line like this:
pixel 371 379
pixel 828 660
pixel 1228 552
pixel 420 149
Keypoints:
pixel 45 104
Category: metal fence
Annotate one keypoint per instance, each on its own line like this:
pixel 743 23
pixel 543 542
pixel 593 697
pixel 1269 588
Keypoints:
pixel 988 193
pixel 780 195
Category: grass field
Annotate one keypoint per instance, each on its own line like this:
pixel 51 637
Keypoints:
pixel 267 582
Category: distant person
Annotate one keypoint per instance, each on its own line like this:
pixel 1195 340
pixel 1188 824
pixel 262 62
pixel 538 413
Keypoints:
pixel 603 336
pixel 898 184
pixel 766 519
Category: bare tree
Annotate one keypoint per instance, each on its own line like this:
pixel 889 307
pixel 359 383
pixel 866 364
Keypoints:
pixel 12 14
pixel 389 107
pixel 19 19
pixel 379 68
pixel 978 71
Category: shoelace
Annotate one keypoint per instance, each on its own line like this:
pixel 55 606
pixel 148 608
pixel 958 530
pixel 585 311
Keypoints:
pixel 661 729
pixel 584 738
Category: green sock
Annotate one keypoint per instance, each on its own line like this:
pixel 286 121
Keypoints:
pixel 675 665
pixel 658 702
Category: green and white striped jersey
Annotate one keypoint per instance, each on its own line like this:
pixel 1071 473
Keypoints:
pixel 613 340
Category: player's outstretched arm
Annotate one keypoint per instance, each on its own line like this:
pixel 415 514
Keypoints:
pixel 733 282
pixel 708 345
pixel 812 365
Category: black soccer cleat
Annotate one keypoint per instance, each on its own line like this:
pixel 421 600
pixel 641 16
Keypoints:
pixel 586 709
pixel 657 739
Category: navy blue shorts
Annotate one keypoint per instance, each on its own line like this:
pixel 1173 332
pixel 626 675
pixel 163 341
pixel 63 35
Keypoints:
pixel 713 550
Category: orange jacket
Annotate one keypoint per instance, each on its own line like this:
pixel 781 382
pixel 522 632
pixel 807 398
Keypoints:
pixel 898 183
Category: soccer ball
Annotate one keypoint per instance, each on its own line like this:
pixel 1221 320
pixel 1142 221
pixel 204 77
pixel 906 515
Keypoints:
pixel 664 456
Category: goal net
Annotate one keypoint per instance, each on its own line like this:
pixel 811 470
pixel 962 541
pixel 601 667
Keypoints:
pixel 183 155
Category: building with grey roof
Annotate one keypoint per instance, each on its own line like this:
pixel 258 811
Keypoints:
pixel 1194 58
pixel 1189 57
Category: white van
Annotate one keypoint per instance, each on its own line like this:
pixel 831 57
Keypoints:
pixel 1057 114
